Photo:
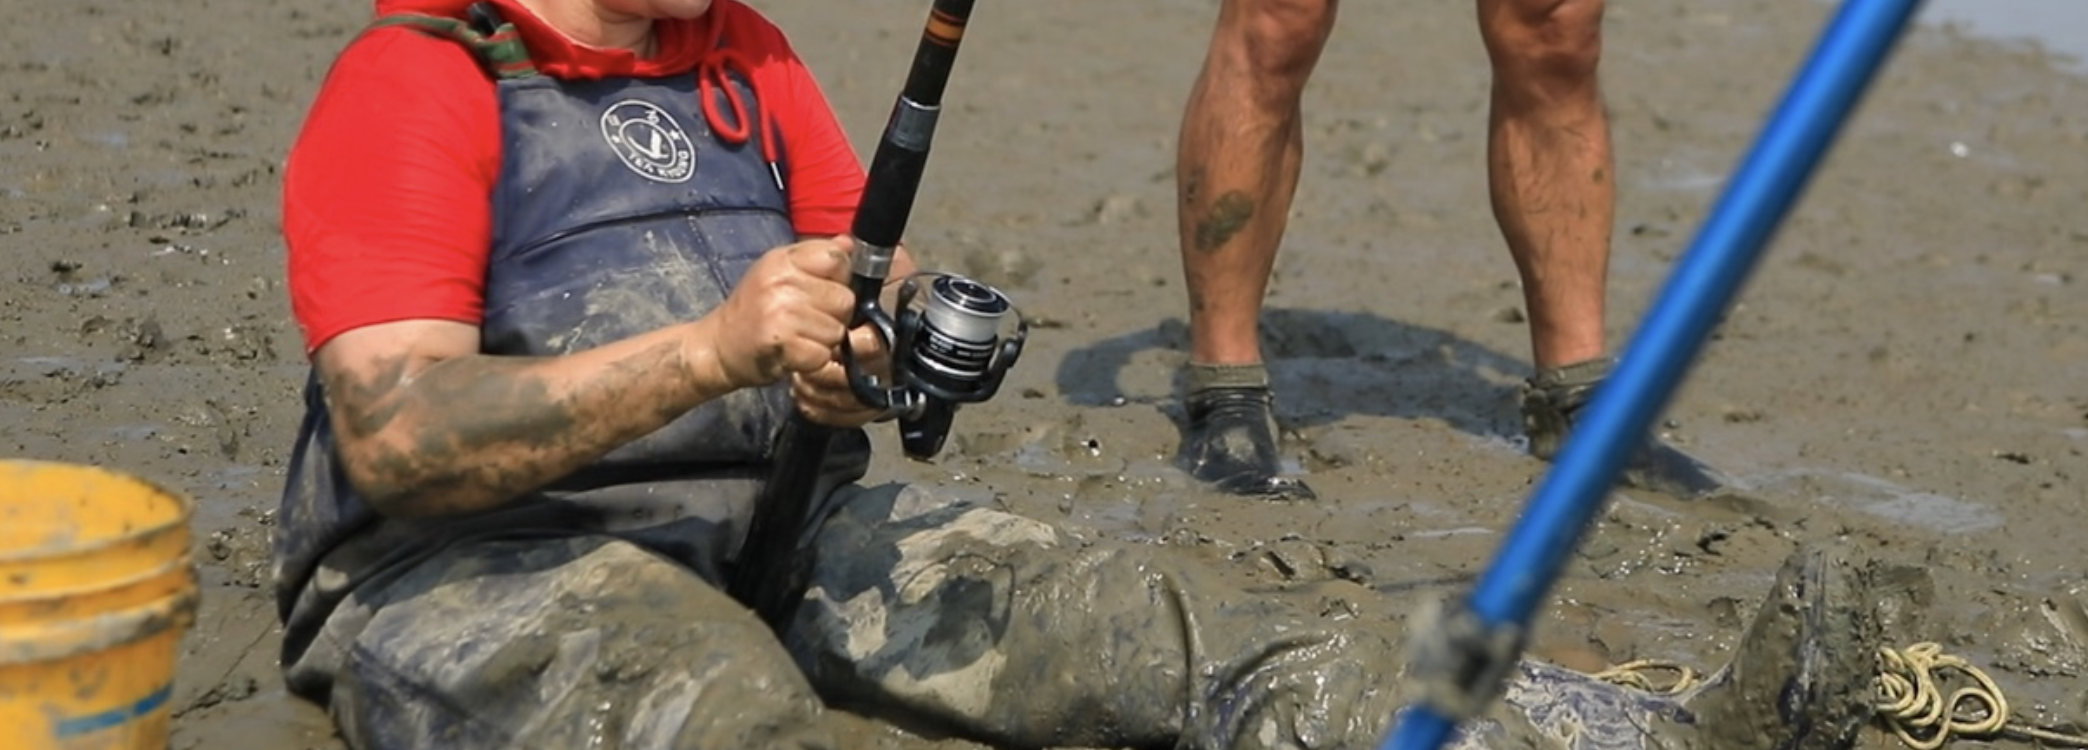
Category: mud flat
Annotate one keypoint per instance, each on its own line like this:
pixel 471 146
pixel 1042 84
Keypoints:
pixel 1906 369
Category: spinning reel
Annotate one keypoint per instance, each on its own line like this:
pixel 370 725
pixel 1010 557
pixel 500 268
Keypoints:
pixel 951 344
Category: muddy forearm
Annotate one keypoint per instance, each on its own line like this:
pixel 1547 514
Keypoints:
pixel 469 433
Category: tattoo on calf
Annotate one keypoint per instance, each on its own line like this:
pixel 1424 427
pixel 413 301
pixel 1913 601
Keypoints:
pixel 1226 218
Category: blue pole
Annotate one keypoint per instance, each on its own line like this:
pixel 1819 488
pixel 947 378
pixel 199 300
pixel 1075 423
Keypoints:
pixel 1786 153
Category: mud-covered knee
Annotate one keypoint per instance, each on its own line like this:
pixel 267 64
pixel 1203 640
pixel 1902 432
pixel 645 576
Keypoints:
pixel 876 571
pixel 917 605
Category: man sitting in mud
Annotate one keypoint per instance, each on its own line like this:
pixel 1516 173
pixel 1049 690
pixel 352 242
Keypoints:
pixel 563 267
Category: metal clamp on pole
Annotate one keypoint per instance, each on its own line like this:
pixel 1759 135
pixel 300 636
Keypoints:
pixel 1459 663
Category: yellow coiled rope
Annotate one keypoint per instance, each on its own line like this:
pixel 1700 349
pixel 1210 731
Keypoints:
pixel 1914 706
pixel 1912 701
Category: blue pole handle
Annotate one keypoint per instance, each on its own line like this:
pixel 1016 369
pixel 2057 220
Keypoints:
pixel 1769 181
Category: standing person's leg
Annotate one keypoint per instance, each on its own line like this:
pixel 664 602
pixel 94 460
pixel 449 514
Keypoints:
pixel 1236 171
pixel 1553 183
pixel 986 625
pixel 1549 167
pixel 566 643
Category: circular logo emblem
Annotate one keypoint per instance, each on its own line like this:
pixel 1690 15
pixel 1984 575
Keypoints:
pixel 649 141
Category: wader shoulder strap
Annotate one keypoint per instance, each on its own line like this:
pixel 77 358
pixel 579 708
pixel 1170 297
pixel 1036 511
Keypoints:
pixel 493 41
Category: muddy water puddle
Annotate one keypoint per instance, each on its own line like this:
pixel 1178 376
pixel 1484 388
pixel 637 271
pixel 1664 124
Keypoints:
pixel 1891 502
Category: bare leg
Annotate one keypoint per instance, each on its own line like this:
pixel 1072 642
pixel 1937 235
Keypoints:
pixel 1237 170
pixel 1552 177
pixel 1241 144
pixel 1549 166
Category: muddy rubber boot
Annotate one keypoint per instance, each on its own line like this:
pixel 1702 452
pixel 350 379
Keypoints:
pixel 1230 440
pixel 1802 678
pixel 1551 404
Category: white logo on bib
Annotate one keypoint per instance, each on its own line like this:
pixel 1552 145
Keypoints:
pixel 649 141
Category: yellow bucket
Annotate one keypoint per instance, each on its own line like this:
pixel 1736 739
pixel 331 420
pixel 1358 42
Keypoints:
pixel 96 591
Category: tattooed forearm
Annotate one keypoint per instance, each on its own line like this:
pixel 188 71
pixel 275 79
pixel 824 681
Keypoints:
pixel 468 433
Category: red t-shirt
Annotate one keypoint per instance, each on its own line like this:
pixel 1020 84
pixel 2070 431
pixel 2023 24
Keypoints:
pixel 386 198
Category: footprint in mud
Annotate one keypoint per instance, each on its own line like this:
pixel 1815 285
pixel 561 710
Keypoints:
pixel 1058 448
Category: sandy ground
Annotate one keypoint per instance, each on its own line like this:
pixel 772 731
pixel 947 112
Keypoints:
pixel 1907 367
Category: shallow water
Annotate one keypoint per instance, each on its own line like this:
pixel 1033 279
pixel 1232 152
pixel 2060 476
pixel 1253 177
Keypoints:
pixel 2057 25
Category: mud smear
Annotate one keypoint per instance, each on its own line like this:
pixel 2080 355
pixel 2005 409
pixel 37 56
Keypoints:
pixel 1905 369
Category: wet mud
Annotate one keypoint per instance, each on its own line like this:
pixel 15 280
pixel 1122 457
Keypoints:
pixel 1906 369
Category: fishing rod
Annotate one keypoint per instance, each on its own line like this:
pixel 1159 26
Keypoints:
pixel 1462 658
pixel 951 341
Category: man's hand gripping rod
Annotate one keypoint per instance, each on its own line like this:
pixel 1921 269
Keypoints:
pixel 948 345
